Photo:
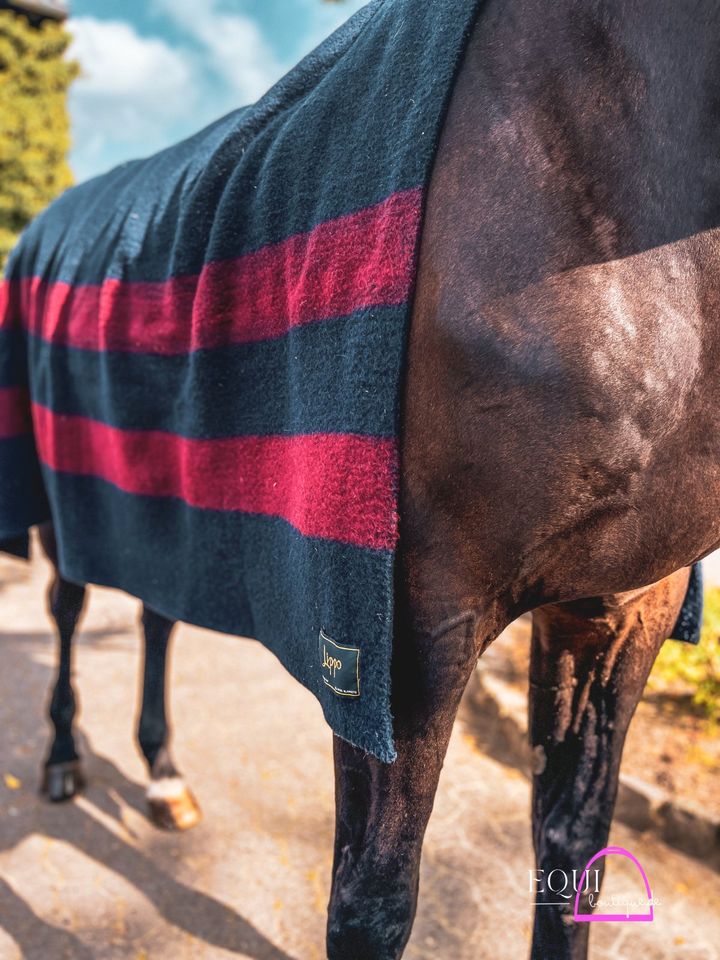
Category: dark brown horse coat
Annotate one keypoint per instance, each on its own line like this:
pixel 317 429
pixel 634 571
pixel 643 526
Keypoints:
pixel 562 438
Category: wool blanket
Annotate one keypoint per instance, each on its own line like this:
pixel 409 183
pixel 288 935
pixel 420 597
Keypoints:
pixel 201 359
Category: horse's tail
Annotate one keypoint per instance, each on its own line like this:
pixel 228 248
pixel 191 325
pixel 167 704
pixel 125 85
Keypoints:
pixel 22 496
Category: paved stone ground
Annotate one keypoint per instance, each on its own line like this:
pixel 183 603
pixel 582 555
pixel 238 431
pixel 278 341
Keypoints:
pixel 94 880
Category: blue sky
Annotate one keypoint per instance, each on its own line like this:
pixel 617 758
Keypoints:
pixel 157 70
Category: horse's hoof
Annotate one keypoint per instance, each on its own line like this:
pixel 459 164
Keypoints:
pixel 62 781
pixel 172 805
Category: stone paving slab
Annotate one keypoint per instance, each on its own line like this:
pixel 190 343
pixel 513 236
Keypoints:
pixel 94 880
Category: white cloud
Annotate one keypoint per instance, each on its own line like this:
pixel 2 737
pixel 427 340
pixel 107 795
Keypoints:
pixel 138 94
pixel 235 47
pixel 117 62
pixel 131 91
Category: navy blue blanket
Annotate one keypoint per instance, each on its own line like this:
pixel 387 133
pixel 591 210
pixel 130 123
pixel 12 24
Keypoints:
pixel 201 360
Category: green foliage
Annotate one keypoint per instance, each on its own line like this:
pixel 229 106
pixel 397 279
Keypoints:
pixel 34 124
pixel 681 668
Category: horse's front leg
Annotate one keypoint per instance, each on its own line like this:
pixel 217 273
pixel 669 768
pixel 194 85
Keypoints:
pixel 62 772
pixel 171 804
pixel 382 810
pixel 62 775
pixel 590 661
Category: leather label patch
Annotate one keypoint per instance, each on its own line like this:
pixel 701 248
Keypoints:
pixel 340 666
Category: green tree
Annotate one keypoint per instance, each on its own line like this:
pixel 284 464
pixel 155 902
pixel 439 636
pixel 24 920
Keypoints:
pixel 34 124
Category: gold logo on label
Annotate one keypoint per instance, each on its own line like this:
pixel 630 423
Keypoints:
pixel 340 666
pixel 332 663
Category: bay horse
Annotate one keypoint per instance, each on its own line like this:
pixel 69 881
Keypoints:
pixel 561 447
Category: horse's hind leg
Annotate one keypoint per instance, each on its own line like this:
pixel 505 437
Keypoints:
pixel 62 775
pixel 590 661
pixel 382 810
pixel 171 804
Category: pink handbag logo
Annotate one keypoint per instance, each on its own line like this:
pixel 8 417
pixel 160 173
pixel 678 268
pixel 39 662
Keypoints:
pixel 626 917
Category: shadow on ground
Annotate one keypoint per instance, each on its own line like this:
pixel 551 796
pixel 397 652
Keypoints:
pixel 23 742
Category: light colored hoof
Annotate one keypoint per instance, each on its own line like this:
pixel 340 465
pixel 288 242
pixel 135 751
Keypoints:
pixel 172 805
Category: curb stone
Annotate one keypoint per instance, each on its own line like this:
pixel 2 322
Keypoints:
pixel 498 717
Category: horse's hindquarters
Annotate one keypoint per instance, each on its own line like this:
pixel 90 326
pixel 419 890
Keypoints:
pixel 562 428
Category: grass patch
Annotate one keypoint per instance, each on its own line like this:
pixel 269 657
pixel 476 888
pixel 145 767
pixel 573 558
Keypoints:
pixel 684 671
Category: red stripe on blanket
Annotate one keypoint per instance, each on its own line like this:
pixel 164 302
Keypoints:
pixel 335 486
pixel 361 260
pixel 5 319
pixel 14 412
